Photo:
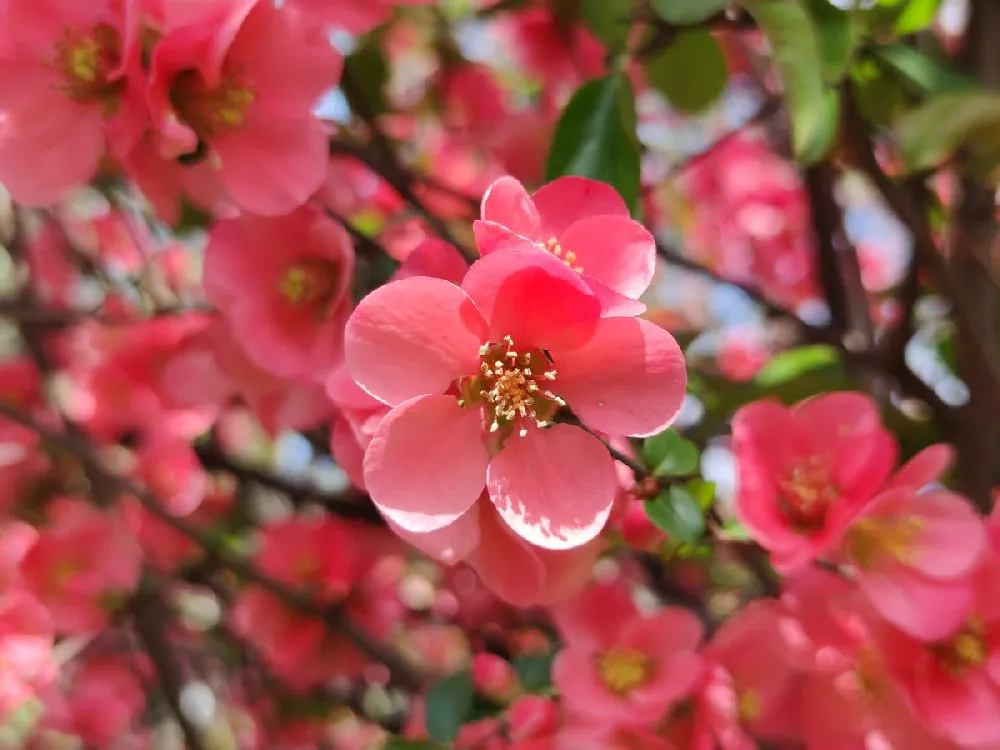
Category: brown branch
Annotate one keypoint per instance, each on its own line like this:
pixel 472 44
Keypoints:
pixel 405 674
pixel 149 615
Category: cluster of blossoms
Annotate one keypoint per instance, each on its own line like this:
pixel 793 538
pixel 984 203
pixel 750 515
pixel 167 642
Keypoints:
pixel 157 578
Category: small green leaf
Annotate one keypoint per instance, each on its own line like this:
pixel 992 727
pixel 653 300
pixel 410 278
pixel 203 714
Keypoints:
pixel 685 12
pixel 924 74
pixel 837 37
pixel 534 671
pixel 795 49
pixel 930 133
pixel 449 704
pixel 592 138
pixel 691 73
pixel 917 15
pixel 677 513
pixel 702 491
pixel 670 454
pixel 367 67
pixel 789 365
pixel 399 743
pixel 608 20
pixel 881 97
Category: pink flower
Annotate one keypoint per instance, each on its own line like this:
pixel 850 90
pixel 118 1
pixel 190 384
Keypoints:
pixel 234 83
pixel 622 668
pixel 494 677
pixel 471 390
pixel 309 555
pixel 742 353
pixel 70 85
pixel 170 469
pixel 515 570
pixel 805 473
pixel 83 557
pixel 26 641
pixel 750 690
pixel 914 556
pixel 582 222
pixel 284 283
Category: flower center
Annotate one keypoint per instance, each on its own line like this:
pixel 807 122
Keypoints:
pixel 623 670
pixel 210 110
pixel 749 706
pixel 309 284
pixel 569 257
pixel 807 491
pixel 87 64
pixel 512 385
pixel 872 539
pixel 964 650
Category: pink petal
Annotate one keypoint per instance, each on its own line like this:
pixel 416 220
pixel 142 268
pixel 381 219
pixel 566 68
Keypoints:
pixel 926 609
pixel 669 630
pixel 575 674
pixel 953 537
pixel 674 677
pixel 529 296
pixel 435 258
pixel 615 250
pixel 553 487
pixel 507 203
pixel 565 201
pixel 492 237
pixel 923 469
pixel 426 463
pixel 613 304
pixel 967 709
pixel 567 571
pixel 449 544
pixel 629 378
pixel 272 167
pixel 508 565
pixel 413 337
pixel 593 620
pixel 347 451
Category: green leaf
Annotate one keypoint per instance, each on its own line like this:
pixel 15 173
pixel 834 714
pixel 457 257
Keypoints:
pixel 795 49
pixel 534 671
pixel 702 491
pixel 691 73
pixel 670 454
pixel 793 363
pixel 837 37
pixel 916 16
pixel 449 704
pixel 930 133
pixel 924 74
pixel 677 513
pixel 608 20
pixel 881 97
pixel 685 12
pixel 367 67
pixel 592 139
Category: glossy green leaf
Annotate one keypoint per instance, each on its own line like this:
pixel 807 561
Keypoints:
pixel 592 138
pixel 702 491
pixel 925 75
pixel 608 20
pixel 880 96
pixel 795 49
pixel 917 15
pixel 837 37
pixel 794 363
pixel 668 453
pixel 930 133
pixel 677 513
pixel 683 12
pixel 691 73
pixel 534 671
pixel 367 67
pixel 449 704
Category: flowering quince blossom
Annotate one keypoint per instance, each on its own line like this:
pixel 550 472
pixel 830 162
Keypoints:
pixel 284 284
pixel 352 16
pixel 71 86
pixel 26 640
pixel 476 373
pixel 621 667
pixel 232 85
pixel 582 222
pixel 805 473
